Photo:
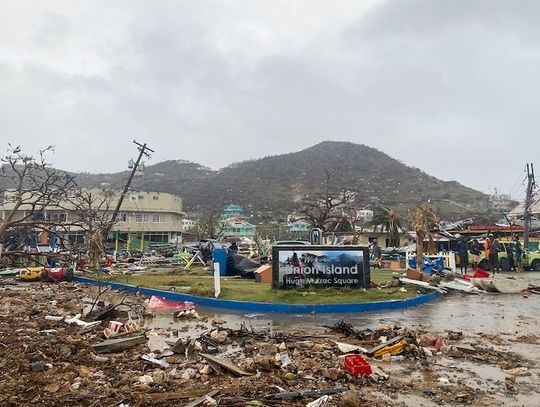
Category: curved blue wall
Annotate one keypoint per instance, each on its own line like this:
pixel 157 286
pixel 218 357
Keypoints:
pixel 269 307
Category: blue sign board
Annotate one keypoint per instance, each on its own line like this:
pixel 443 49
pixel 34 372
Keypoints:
pixel 320 266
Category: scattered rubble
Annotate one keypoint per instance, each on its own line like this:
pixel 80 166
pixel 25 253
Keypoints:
pixel 54 353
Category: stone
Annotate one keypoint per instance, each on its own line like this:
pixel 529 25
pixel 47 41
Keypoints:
pixel 332 374
pixel 318 348
pixel 206 370
pixel 76 385
pixel 146 379
pixel 84 371
pixel 157 343
pixel 428 339
pixel 159 376
pixel 266 363
pixel 327 355
pixel 248 365
pixel 65 351
pixel 219 336
pixel 218 322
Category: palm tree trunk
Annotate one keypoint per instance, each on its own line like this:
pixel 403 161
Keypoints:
pixel 419 249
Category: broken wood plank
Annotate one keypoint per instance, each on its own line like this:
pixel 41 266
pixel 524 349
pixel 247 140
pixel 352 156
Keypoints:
pixel 202 399
pixel 117 345
pixel 384 345
pixel 348 348
pixel 309 393
pixel 465 348
pixel 226 364
pixel 367 342
pixel 188 394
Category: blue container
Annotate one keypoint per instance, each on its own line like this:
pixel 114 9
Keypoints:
pixel 220 256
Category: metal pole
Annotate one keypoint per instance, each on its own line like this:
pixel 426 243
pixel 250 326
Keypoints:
pixel 142 151
pixel 527 214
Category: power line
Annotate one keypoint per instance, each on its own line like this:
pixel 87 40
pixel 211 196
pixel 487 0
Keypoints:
pixel 516 184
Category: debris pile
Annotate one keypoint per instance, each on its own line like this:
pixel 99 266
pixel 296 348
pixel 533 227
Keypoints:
pixel 73 344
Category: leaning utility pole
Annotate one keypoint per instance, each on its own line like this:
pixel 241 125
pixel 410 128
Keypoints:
pixel 142 152
pixel 527 215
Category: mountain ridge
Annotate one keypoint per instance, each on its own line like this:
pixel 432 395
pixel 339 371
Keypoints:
pixel 273 184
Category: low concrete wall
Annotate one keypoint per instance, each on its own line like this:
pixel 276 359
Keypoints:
pixel 266 306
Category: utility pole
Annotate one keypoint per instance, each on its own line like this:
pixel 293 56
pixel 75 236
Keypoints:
pixel 528 198
pixel 142 152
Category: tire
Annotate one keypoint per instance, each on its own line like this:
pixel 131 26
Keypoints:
pixel 535 265
pixel 484 265
pixel 504 264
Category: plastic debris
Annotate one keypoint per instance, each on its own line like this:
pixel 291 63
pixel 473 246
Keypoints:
pixel 159 303
pixel 357 365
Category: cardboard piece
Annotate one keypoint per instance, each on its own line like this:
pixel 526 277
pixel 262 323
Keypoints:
pixel 264 274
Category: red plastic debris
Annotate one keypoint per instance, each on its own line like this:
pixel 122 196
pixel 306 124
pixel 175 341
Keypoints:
pixel 479 273
pixel 439 343
pixel 156 303
pixel 357 365
pixel 55 275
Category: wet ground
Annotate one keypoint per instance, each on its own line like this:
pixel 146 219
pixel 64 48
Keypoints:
pixel 506 322
pixel 501 369
pixel 485 313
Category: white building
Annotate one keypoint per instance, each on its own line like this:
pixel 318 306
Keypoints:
pixel 188 224
pixel 364 215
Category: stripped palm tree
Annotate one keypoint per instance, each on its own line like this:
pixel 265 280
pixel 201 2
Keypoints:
pixel 389 221
pixel 423 220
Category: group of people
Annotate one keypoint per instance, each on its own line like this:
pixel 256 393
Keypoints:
pixel 491 248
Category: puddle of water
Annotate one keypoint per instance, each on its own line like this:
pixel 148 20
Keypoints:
pixel 472 313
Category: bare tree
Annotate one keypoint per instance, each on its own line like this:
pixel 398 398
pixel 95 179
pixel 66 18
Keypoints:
pixel 91 209
pixel 327 208
pixel 29 186
pixel 209 225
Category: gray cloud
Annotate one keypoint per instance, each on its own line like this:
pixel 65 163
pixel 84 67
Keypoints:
pixel 450 87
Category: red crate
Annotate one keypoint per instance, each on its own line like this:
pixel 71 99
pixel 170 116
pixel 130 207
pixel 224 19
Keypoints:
pixel 357 365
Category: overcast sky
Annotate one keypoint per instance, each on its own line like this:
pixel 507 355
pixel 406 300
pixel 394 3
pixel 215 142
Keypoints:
pixel 451 87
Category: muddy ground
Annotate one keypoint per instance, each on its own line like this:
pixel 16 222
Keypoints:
pixel 488 353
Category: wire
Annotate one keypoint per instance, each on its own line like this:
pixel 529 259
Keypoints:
pixel 517 182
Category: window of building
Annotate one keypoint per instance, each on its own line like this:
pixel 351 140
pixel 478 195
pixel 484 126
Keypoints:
pixel 56 217
pixel 158 218
pixel 155 197
pixel 121 217
pixel 141 197
pixel 133 198
pixel 141 218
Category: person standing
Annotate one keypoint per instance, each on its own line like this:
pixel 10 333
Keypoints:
pixel 510 256
pixel 492 248
pixel 518 254
pixel 476 249
pixel 463 253
pixel 377 253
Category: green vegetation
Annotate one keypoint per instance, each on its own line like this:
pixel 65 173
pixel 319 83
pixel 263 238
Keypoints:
pixel 199 282
pixel 241 182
